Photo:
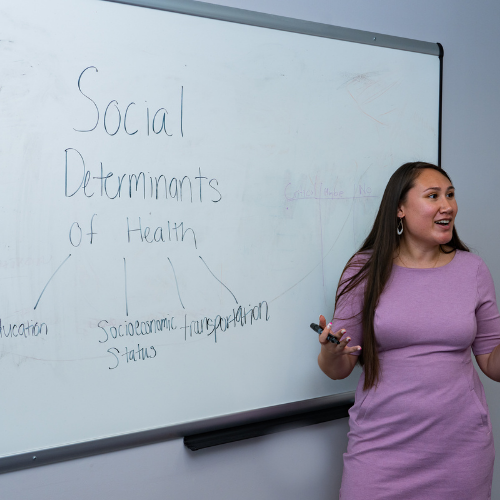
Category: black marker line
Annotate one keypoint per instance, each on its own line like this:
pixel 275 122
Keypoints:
pixel 125 274
pixel 177 284
pixel 50 280
pixel 218 279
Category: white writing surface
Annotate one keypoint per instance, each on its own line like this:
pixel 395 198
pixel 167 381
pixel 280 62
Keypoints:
pixel 179 196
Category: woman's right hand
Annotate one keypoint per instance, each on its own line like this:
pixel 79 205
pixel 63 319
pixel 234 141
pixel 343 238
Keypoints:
pixel 335 349
pixel 332 359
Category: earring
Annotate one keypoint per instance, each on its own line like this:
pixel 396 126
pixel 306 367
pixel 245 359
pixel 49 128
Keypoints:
pixel 399 229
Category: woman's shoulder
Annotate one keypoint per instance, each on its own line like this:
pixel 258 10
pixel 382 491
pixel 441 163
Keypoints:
pixel 355 264
pixel 360 258
pixel 468 259
pixel 473 265
pixel 468 265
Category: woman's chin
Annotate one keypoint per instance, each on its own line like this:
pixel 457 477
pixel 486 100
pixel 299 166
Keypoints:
pixel 444 239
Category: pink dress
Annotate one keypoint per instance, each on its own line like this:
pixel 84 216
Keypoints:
pixel 424 432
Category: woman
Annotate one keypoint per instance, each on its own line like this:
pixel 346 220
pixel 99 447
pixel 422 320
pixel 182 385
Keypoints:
pixel 409 306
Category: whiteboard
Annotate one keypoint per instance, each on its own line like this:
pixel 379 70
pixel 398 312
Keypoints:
pixel 179 196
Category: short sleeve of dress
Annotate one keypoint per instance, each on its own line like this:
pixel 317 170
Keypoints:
pixel 487 316
pixel 349 308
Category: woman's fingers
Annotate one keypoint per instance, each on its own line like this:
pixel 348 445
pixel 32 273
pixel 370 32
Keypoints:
pixel 322 321
pixel 344 342
pixel 340 348
pixel 323 338
pixel 326 331
pixel 349 350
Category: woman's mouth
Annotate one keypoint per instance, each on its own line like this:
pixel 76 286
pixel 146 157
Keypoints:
pixel 443 222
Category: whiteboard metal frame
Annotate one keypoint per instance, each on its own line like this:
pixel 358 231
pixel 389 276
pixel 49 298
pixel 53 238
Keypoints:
pixel 297 409
pixel 251 18
pixel 293 412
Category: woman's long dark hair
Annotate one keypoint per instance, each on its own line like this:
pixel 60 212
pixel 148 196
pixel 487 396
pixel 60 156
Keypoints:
pixel 379 248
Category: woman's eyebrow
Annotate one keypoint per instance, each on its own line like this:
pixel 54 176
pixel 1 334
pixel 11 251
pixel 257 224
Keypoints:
pixel 437 188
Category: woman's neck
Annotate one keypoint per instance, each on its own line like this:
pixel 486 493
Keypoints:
pixel 421 258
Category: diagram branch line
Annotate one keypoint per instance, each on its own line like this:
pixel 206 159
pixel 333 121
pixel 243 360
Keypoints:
pixel 51 280
pixel 176 284
pixel 126 295
pixel 219 280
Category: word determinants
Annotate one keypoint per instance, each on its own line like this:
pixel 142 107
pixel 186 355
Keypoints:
pixel 159 327
pixel 185 188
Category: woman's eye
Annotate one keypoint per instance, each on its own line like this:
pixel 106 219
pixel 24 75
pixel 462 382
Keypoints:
pixel 451 195
pixel 433 196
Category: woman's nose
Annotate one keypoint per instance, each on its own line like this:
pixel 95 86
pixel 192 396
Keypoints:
pixel 446 206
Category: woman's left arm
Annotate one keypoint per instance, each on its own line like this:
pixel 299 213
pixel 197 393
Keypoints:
pixel 486 346
pixel 490 363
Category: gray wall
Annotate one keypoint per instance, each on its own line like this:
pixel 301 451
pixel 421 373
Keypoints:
pixel 307 463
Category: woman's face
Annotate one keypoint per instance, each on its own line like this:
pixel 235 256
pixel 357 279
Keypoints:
pixel 429 210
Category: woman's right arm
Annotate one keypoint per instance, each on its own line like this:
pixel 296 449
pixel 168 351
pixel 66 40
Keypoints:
pixel 336 360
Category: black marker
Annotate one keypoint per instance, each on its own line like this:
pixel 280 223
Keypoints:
pixel 319 330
